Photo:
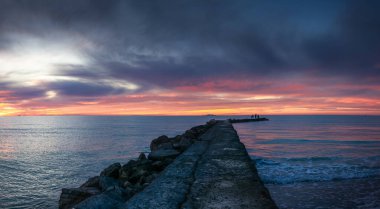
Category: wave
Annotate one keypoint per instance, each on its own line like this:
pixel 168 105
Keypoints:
pixel 305 141
pixel 275 161
pixel 315 169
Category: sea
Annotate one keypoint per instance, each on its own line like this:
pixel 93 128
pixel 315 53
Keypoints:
pixel 304 161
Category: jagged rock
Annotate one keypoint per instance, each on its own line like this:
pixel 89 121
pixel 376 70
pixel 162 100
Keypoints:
pixel 158 165
pixel 127 184
pixel 111 171
pixel 145 185
pixel 190 134
pixel 130 163
pixel 106 183
pixel 70 197
pixel 132 167
pixel 142 156
pixel 168 161
pixel 166 145
pixel 149 179
pixel 91 182
pixel 184 143
pixel 198 130
pixel 211 122
pixel 163 154
pixel 156 143
pixel 127 169
pixel 118 183
pixel 137 175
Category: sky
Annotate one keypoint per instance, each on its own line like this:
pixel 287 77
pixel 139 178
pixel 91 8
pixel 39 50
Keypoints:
pixel 182 57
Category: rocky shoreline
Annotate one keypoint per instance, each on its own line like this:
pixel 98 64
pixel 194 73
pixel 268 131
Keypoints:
pixel 118 183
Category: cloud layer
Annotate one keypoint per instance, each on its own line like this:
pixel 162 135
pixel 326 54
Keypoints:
pixel 74 57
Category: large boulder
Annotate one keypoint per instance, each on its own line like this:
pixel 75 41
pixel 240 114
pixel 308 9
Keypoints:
pixel 158 165
pixel 91 182
pixel 112 171
pixel 191 134
pixel 137 174
pixel 160 142
pixel 133 170
pixel 163 154
pixel 70 197
pixel 198 130
pixel 142 156
pixel 107 183
pixel 211 123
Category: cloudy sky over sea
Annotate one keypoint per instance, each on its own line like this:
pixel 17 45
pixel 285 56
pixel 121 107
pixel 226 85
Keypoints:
pixel 189 57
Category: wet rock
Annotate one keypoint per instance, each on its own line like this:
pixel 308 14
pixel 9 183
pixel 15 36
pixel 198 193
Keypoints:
pixel 211 123
pixel 166 145
pixel 124 174
pixel 198 130
pixel 137 188
pixel 117 183
pixel 127 169
pixel 137 175
pixel 70 197
pixel 134 168
pixel 168 161
pixel 127 184
pixel 130 163
pixel 106 183
pixel 149 179
pixel 145 185
pixel 91 182
pixel 143 165
pixel 111 171
pixel 142 156
pixel 184 143
pixel 158 142
pixel 190 134
pixel 158 165
pixel 163 154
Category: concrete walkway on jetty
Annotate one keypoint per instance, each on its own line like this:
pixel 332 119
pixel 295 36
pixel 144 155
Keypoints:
pixel 215 172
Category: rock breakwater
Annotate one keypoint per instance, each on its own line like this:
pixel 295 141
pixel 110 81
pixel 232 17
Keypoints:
pixel 206 167
pixel 117 183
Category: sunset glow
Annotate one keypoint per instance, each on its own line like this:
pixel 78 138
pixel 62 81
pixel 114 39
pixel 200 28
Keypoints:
pixel 71 64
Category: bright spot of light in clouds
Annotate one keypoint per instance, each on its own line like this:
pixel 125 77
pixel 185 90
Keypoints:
pixel 51 94
pixel 122 84
pixel 263 97
pixel 36 59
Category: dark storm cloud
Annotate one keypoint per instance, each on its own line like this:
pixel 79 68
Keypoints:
pixel 173 43
pixel 74 88
pixel 17 92
pixel 353 47
pixel 63 88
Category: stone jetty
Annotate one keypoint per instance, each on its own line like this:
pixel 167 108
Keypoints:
pixel 206 167
pixel 245 120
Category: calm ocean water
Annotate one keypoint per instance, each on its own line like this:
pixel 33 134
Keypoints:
pixel 317 161
pixel 305 161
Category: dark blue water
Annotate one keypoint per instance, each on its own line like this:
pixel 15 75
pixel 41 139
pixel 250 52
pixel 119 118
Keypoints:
pixel 317 161
pixel 306 162
pixel 41 155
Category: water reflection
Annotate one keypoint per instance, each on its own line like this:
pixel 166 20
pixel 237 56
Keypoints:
pixel 41 155
pixel 295 155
